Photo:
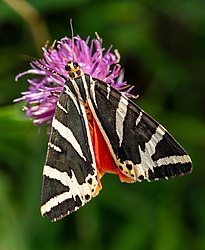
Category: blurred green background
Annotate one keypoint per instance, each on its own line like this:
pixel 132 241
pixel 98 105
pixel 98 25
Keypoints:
pixel 162 47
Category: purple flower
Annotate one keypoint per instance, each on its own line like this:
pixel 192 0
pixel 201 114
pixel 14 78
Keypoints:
pixel 44 89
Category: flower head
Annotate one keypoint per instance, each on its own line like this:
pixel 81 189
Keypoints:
pixel 51 74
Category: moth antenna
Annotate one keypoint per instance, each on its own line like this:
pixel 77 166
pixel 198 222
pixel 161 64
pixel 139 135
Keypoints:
pixel 72 37
pixel 40 66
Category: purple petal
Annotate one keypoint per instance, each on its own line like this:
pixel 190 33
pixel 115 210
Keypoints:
pixel 44 90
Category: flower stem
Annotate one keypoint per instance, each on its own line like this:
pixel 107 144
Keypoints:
pixel 33 19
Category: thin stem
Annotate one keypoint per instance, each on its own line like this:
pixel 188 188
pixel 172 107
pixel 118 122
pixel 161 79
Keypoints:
pixel 33 19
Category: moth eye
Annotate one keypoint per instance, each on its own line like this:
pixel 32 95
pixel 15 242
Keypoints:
pixel 75 65
pixel 67 68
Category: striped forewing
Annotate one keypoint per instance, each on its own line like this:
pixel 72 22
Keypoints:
pixel 140 146
pixel 70 174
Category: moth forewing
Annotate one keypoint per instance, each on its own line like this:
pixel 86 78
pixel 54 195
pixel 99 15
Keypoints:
pixel 70 174
pixel 140 146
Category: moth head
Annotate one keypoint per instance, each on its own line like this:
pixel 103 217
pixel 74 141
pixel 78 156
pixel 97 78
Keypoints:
pixel 73 70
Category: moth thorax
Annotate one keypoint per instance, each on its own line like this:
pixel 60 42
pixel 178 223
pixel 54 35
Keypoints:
pixel 73 70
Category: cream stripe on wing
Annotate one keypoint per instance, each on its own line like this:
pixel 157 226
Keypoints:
pixel 150 147
pixel 139 118
pixel 74 188
pixel 175 159
pixel 120 117
pixel 72 96
pixel 56 148
pixel 68 135
pixel 108 91
pixel 61 108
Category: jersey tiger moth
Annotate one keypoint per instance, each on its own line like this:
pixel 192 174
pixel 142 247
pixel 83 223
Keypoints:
pixel 97 130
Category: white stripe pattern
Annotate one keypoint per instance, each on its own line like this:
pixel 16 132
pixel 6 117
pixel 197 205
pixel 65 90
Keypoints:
pixel 54 173
pixel 120 117
pixel 54 202
pixel 68 135
pixel 56 148
pixel 175 159
pixel 150 147
pixel 139 118
pixel 62 108
pixel 92 89
pixel 72 183
pixel 73 98
pixel 77 90
pixel 108 91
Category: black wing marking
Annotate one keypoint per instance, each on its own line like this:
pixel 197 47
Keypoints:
pixel 70 174
pixel 140 146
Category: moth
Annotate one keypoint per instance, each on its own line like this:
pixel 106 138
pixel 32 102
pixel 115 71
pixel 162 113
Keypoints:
pixel 97 130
